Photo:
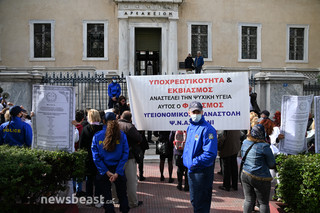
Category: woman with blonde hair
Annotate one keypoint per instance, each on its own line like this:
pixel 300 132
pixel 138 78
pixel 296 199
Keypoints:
pixel 110 152
pixel 85 143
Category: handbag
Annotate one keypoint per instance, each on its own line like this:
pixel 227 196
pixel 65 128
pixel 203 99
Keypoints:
pixel 161 148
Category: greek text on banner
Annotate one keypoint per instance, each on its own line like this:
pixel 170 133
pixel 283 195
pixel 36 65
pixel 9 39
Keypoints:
pixel 160 103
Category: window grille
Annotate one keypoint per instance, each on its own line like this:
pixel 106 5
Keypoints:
pixel 42 40
pixel 95 40
pixel 296 44
pixel 199 40
pixel 249 42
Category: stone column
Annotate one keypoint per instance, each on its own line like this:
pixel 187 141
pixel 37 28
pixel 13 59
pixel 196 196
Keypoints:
pixel 172 48
pixel 270 87
pixel 123 47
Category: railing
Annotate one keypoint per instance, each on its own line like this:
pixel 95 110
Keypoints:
pixel 91 90
pixel 310 88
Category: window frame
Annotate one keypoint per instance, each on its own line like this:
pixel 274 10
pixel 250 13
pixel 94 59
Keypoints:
pixel 31 28
pixel 259 27
pixel 105 46
pixel 305 45
pixel 209 38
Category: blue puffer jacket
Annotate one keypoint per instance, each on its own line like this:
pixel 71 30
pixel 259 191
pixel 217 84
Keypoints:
pixel 259 159
pixel 114 89
pixel 18 133
pixel 103 158
pixel 200 150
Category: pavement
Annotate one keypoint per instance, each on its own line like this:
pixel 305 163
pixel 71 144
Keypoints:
pixel 163 197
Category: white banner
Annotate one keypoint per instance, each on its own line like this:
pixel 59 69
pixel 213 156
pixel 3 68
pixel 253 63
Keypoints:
pixel 160 103
pixel 294 120
pixel 317 123
pixel 54 108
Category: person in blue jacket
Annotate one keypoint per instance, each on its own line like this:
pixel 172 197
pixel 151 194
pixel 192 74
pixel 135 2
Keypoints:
pixel 114 91
pixel 199 155
pixel 198 62
pixel 15 132
pixel 110 152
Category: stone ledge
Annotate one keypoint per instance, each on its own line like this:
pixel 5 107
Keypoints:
pixel 276 207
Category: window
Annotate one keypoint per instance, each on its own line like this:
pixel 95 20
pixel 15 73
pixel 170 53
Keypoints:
pixel 199 39
pixel 249 42
pixel 95 34
pixel 297 43
pixel 41 40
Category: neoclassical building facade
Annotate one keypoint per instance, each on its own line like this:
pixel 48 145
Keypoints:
pixel 138 37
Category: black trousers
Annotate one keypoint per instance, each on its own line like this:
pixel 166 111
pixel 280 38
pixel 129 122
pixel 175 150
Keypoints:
pixel 182 171
pixel 230 171
pixel 104 186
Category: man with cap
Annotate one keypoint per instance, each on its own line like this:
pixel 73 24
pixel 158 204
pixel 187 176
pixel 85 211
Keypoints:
pixel 110 152
pixel 199 155
pixel 265 114
pixel 114 91
pixel 16 132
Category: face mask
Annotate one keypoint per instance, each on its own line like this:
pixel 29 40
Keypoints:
pixel 114 81
pixel 196 117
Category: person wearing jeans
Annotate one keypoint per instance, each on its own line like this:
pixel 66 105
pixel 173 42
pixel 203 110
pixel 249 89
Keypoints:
pixel 199 155
pixel 255 177
pixel 255 189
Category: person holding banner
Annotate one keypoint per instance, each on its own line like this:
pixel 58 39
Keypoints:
pixel 254 107
pixel 110 152
pixel 199 155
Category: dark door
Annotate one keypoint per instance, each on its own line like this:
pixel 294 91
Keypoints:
pixel 147 54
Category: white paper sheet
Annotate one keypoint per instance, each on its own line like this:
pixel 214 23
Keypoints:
pixel 54 108
pixel 294 120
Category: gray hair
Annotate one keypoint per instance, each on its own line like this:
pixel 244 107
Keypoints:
pixel 198 52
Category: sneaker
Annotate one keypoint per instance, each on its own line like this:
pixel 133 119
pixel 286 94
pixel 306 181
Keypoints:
pixel 162 178
pixel 170 180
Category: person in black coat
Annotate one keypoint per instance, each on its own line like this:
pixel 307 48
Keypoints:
pixel 189 63
pixel 85 143
pixel 164 137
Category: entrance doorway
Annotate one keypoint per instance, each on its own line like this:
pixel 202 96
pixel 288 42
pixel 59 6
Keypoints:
pixel 147 53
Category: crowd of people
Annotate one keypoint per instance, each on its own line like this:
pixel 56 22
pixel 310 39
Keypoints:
pixel 115 147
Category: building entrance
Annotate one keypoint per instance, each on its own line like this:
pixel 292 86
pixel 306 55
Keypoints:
pixel 147 53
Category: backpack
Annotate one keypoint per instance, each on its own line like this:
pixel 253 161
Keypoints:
pixel 180 140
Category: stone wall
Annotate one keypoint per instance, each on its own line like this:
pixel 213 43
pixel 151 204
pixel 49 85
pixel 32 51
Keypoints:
pixel 19 86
